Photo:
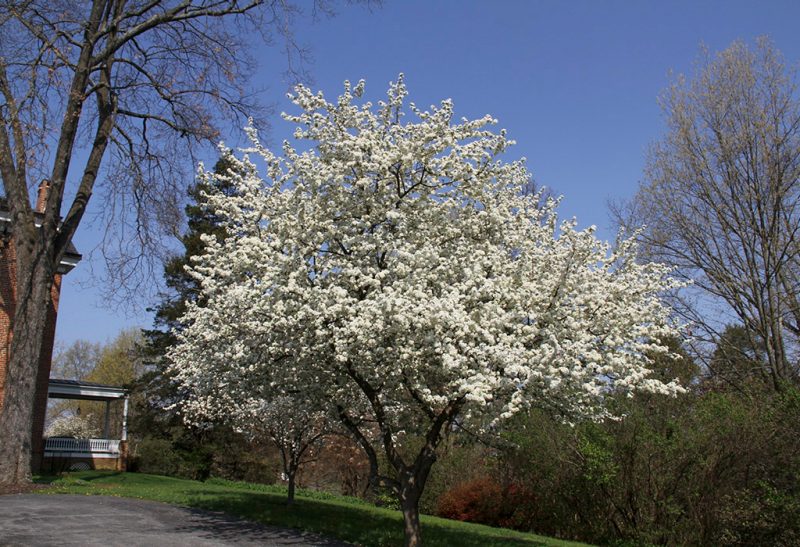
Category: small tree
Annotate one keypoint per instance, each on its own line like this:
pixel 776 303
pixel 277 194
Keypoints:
pixel 294 427
pixel 71 426
pixel 400 274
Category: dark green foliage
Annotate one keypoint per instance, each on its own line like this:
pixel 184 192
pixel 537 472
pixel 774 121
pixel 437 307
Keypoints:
pixel 739 362
pixel 183 288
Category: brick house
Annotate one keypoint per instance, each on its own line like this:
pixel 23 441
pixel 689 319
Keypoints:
pixel 8 301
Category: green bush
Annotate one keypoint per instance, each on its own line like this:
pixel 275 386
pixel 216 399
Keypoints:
pixel 158 457
pixel 706 468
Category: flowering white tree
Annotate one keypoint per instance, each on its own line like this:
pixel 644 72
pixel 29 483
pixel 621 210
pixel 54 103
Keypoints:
pixel 296 427
pixel 71 426
pixel 399 272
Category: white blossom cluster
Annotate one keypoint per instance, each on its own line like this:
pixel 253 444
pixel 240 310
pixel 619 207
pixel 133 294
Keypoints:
pixel 397 266
pixel 294 426
pixel 71 426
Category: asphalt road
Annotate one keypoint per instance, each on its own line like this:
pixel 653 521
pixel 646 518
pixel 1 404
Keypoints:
pixel 35 519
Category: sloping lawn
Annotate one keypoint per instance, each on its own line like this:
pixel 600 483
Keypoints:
pixel 347 519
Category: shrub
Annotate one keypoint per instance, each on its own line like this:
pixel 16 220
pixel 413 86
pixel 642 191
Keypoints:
pixel 481 500
pixel 762 515
pixel 157 456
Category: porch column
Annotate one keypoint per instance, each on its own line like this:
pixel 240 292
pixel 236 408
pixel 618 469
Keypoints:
pixel 125 419
pixel 122 458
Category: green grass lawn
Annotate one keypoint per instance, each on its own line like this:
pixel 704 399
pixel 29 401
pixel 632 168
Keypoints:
pixel 347 519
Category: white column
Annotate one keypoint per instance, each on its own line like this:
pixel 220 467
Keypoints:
pixel 125 419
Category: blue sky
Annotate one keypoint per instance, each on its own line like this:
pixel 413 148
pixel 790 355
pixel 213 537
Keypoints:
pixel 575 83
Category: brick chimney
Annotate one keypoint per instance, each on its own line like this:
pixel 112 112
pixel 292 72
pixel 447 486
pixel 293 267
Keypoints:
pixel 41 198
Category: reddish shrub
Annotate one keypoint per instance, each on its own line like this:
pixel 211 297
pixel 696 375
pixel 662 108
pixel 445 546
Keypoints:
pixel 480 500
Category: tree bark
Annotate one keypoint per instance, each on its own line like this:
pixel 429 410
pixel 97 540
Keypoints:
pixel 411 479
pixel 34 282
pixel 409 504
pixel 291 474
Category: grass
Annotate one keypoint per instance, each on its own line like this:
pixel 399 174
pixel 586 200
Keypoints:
pixel 348 519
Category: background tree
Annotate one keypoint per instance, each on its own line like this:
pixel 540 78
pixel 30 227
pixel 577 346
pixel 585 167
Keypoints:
pixel 76 361
pixel 120 364
pixel 142 82
pixel 73 362
pixel 156 429
pixel 182 287
pixel 400 273
pixel 737 364
pixel 116 363
pixel 716 465
pixel 721 199
pixel 294 425
pixel 72 425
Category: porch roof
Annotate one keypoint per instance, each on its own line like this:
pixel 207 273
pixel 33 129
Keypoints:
pixel 73 389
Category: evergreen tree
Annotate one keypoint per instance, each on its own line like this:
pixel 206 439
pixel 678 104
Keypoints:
pixel 183 288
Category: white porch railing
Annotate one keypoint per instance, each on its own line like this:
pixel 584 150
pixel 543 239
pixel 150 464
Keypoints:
pixel 92 446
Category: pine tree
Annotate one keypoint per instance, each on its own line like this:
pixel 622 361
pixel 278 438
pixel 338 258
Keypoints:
pixel 183 288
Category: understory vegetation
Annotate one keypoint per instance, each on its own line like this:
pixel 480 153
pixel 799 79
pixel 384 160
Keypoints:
pixel 714 466
pixel 707 468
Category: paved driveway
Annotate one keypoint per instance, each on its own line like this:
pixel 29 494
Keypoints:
pixel 35 519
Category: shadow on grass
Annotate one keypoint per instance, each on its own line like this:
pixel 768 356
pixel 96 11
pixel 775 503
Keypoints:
pixel 362 525
pixel 344 522
pixel 224 528
pixel 105 475
pixel 87 476
pixel 44 479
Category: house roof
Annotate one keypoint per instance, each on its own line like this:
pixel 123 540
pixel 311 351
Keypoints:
pixel 74 389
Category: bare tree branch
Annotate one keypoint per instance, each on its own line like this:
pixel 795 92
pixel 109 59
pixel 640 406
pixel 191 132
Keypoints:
pixel 721 198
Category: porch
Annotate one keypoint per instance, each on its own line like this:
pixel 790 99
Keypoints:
pixel 72 454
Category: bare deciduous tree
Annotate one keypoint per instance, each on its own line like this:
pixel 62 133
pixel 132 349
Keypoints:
pixel 128 89
pixel 721 199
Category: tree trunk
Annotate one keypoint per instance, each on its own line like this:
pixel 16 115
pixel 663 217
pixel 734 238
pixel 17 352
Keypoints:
pixel 409 503
pixel 34 281
pixel 290 496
